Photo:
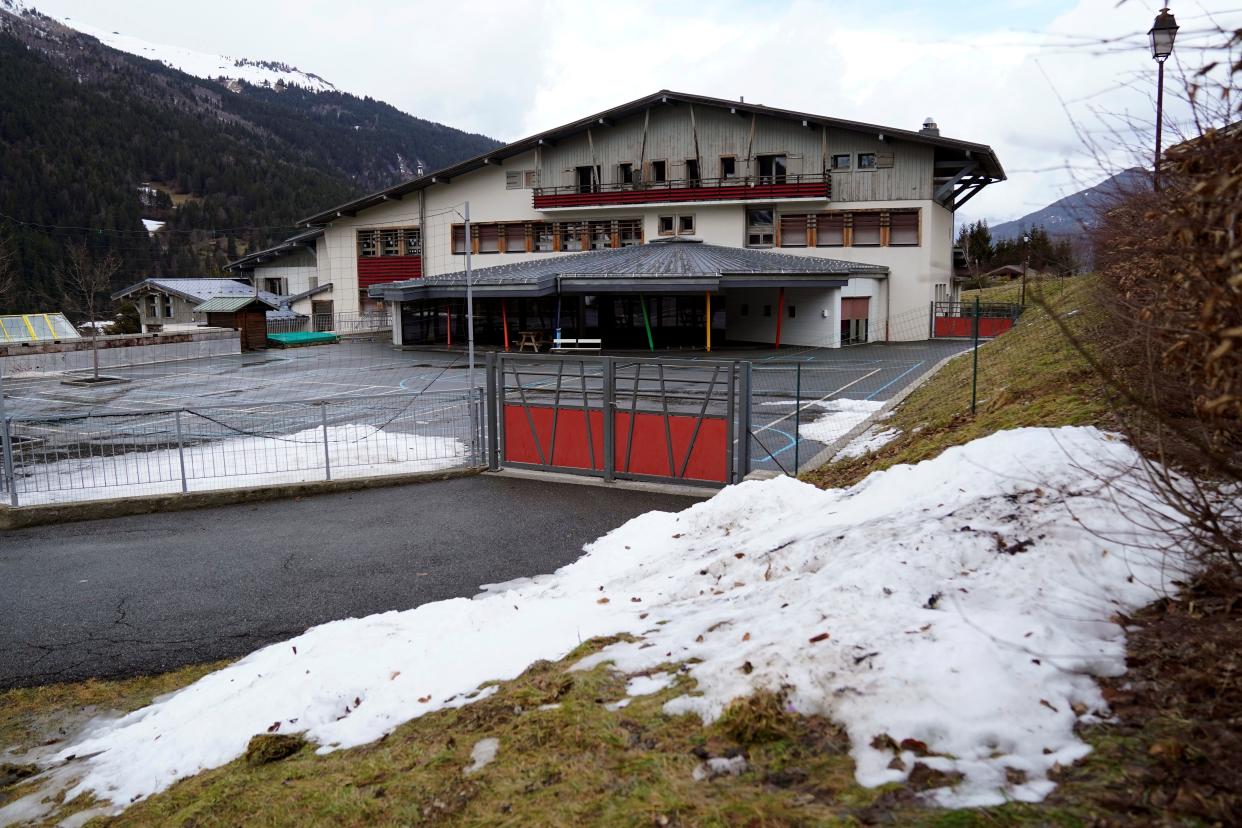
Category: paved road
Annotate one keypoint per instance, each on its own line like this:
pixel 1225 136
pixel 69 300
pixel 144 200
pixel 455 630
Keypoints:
pixel 151 593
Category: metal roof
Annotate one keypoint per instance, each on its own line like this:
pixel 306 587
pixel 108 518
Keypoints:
pixel 299 241
pixel 36 327
pixel 966 150
pixel 229 304
pixel 199 289
pixel 665 266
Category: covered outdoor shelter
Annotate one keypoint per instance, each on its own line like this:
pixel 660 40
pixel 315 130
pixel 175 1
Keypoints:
pixel 671 293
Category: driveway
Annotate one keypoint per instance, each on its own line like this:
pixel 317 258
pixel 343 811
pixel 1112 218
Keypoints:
pixel 147 594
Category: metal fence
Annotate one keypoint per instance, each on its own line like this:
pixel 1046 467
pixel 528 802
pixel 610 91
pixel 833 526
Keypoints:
pixel 95 456
pixel 339 323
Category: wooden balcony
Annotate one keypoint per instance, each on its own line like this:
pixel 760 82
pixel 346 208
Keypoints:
pixel 753 188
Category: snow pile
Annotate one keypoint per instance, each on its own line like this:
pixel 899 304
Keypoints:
pixel 839 417
pixel 152 226
pixel 963 603
pixel 870 440
pixel 353 451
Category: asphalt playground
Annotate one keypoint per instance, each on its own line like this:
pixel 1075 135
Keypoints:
pixel 791 388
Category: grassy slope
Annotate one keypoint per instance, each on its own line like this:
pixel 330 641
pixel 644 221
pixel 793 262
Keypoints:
pixel 581 764
pixel 1031 376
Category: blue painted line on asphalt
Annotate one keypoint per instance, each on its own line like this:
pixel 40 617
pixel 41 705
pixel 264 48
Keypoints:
pixel 893 380
pixel 778 452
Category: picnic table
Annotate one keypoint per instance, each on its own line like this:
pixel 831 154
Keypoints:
pixel 532 338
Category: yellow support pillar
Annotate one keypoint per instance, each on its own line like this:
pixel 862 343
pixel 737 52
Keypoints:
pixel 709 321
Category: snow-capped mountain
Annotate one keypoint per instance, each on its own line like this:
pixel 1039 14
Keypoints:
pixel 200 64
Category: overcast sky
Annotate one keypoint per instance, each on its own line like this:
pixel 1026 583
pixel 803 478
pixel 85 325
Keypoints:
pixel 1029 77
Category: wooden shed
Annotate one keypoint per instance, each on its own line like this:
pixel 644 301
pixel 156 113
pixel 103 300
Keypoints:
pixel 247 314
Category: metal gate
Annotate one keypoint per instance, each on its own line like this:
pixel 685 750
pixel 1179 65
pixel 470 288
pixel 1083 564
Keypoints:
pixel 619 417
pixel 968 319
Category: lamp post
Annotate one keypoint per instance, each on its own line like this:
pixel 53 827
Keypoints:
pixel 1026 262
pixel 1161 35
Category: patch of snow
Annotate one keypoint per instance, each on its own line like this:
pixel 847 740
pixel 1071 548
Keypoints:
pixel 908 605
pixel 353 451
pixel 204 65
pixel 152 225
pixel 618 704
pixel 840 416
pixel 870 440
pixel 719 766
pixel 482 755
pixel 646 685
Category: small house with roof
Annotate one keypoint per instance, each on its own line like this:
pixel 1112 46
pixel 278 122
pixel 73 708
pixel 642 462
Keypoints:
pixel 173 303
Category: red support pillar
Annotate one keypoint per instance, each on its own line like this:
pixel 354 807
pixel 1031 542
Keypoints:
pixel 504 320
pixel 780 311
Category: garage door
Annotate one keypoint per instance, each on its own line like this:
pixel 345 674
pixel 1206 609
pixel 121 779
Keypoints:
pixel 855 308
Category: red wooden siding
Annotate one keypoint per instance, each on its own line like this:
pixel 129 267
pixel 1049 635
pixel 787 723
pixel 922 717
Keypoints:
pixel 380 270
pixel 810 189
pixel 650 452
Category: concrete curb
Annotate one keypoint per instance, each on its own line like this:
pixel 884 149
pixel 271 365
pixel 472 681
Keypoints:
pixel 897 399
pixel 24 517
pixel 585 480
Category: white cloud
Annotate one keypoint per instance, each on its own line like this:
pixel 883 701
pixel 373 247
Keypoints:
pixel 509 69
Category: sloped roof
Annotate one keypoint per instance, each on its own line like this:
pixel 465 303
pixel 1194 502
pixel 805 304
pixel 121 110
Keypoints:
pixel 199 289
pixel 297 242
pixel 230 304
pixel 667 265
pixel 981 154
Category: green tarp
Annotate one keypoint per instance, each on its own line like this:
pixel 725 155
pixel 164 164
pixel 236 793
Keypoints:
pixel 293 340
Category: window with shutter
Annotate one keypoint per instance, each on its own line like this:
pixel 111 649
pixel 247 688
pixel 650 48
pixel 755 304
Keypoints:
pixel 793 231
pixel 368 243
pixel 866 229
pixel 829 229
pixel 884 159
pixel 459 238
pixel 513 179
pixel 489 237
pixel 903 229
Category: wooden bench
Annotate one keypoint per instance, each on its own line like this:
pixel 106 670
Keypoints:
pixel 563 345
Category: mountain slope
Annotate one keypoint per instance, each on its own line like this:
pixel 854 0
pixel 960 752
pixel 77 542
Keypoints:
pixel 97 138
pixel 1075 214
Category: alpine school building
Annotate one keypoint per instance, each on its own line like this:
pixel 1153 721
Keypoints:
pixel 674 220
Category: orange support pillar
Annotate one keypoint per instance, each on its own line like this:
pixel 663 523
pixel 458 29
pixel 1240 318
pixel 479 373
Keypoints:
pixel 448 312
pixel 780 311
pixel 709 321
pixel 504 321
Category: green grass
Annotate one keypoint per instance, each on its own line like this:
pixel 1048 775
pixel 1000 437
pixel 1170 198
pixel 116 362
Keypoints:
pixel 1030 376
pixel 1006 290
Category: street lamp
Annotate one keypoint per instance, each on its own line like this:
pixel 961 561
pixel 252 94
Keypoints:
pixel 1162 34
pixel 1026 262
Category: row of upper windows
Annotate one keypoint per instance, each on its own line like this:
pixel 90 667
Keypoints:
pixel 855 228
pixel 770 168
pixel 390 241
pixel 764 228
pixel 548 236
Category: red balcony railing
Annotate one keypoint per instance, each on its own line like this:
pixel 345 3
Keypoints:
pixel 378 270
pixel 801 185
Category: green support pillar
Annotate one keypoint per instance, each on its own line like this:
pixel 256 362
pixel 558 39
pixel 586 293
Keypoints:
pixel 647 323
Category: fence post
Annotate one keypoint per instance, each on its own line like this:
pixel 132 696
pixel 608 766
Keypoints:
pixel 493 405
pixel 181 454
pixel 797 412
pixel 610 422
pixel 9 477
pixel 327 461
pixel 743 420
pixel 974 373
pixel 731 409
pixel 472 403
pixel 931 320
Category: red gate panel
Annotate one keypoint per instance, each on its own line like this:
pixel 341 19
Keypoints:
pixel 576 445
pixel 650 452
pixel 963 326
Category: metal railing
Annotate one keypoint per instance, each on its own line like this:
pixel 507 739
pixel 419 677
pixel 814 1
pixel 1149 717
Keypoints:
pixel 57 459
pixel 339 323
pixel 756 181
